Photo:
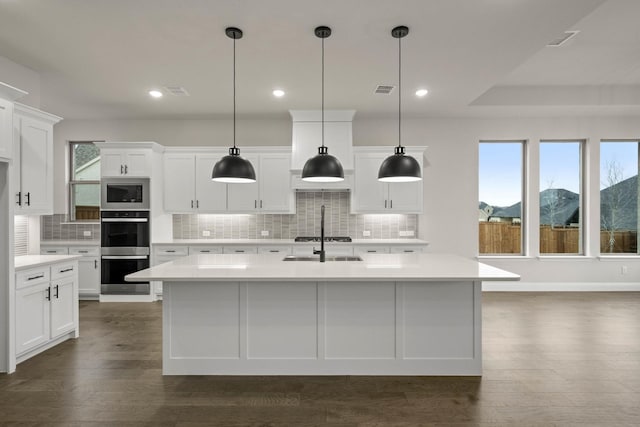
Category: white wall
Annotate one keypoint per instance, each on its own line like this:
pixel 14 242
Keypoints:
pixel 450 221
pixel 23 78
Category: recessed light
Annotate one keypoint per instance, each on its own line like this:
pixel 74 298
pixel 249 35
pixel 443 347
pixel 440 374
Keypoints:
pixel 155 93
pixel 421 92
pixel 278 93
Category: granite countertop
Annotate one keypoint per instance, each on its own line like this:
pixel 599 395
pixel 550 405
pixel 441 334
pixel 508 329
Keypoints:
pixel 24 262
pixel 92 242
pixel 374 267
pixel 287 242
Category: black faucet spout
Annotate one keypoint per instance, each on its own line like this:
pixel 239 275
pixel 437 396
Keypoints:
pixel 321 252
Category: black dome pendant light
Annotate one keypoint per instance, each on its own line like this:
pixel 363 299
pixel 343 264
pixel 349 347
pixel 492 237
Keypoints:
pixel 233 168
pixel 399 167
pixel 323 167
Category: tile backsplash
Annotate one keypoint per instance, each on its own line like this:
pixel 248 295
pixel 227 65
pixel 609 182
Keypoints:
pixel 20 235
pixel 58 227
pixel 305 222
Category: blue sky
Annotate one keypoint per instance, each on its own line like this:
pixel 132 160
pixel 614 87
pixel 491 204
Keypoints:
pixel 501 167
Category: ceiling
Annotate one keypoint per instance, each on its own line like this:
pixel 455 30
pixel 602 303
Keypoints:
pixel 99 58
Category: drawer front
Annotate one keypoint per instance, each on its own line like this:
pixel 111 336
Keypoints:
pixel 54 250
pixel 240 250
pixel 406 249
pixel 63 270
pixel 32 276
pixel 371 250
pixel 171 250
pixel 85 250
pixel 205 250
pixel 285 250
pixel 330 250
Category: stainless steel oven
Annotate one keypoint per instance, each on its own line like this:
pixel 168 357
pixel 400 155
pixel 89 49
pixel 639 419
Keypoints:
pixel 124 193
pixel 125 249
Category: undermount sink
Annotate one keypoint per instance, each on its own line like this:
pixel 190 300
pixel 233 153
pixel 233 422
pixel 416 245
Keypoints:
pixel 315 258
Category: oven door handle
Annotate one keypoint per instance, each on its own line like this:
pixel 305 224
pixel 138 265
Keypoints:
pixel 125 256
pixel 125 219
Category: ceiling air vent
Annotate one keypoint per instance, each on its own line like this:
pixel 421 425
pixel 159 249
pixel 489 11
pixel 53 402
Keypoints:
pixel 176 90
pixel 568 35
pixel 384 89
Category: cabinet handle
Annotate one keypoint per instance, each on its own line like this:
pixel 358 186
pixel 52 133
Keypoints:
pixel 240 251
pixel 121 169
pixel 391 202
pixel 372 252
pixel 19 202
pixel 52 252
pixel 57 292
pixel 126 169
pixel 260 204
pixel 28 196
pixel 255 203
pixel 192 204
pixel 274 250
pixel 83 252
pixel 408 250
pixel 40 276
pixel 48 296
pixel 198 204
pixel 65 270
pixel 170 250
pixel 385 204
pixel 95 263
pixel 204 251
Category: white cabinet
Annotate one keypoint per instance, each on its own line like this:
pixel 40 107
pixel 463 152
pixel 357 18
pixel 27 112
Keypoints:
pixel 374 249
pixel 188 187
pixel 46 306
pixel 88 267
pixel 330 250
pixel 372 196
pixel 6 129
pixel 33 160
pixel 239 250
pixel 117 162
pixel 271 193
pixel 406 249
pixel 275 249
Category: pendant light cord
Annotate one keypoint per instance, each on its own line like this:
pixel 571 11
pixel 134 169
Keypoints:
pixel 234 93
pixel 399 91
pixel 323 92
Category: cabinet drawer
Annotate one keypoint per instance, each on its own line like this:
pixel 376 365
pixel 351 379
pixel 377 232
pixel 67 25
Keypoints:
pixel 285 250
pixel 205 250
pixel 85 250
pixel 63 270
pixel 406 249
pixel 331 250
pixel 172 250
pixel 371 250
pixel 240 250
pixel 32 276
pixel 54 250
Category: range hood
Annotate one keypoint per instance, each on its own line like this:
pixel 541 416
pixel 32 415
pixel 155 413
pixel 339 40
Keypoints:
pixel 307 137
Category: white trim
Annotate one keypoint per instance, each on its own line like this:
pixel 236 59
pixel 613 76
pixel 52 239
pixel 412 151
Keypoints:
pixel 565 258
pixel 560 287
pixel 11 93
pixel 629 257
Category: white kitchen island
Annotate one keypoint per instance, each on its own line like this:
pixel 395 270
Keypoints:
pixel 398 314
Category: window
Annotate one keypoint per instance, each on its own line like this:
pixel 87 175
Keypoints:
pixel 500 207
pixel 619 197
pixel 84 181
pixel 561 197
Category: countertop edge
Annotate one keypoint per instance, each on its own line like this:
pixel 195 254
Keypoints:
pixel 25 262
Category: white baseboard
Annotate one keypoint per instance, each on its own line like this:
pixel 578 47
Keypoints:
pixel 560 287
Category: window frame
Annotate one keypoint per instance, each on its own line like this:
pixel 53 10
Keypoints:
pixel 72 183
pixel 524 183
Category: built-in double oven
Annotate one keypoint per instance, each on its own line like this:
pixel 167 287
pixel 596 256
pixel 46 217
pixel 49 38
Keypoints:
pixel 125 235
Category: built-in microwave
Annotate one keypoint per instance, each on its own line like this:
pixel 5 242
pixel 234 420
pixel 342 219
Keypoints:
pixel 124 193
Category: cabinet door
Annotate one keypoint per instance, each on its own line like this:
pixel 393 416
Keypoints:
pixel 137 163
pixel 307 138
pixel 6 129
pixel 32 317
pixel 111 163
pixel 89 276
pixel 369 194
pixel 405 197
pixel 64 304
pixel 36 169
pixel 245 197
pixel 275 184
pixel 179 183
pixel 211 197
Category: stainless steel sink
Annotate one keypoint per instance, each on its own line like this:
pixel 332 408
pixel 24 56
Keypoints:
pixel 315 258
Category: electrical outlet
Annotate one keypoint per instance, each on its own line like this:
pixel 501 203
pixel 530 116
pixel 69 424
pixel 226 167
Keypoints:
pixel 406 233
pixel 86 233
pixel 366 233
pixel 623 269
pixel 206 233
pixel 264 233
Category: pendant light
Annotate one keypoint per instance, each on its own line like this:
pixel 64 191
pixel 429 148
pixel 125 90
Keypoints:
pixel 323 167
pixel 399 167
pixel 233 168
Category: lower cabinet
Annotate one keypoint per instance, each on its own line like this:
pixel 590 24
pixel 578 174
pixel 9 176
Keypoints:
pixel 88 267
pixel 46 306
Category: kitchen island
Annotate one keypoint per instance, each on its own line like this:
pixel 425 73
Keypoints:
pixel 389 314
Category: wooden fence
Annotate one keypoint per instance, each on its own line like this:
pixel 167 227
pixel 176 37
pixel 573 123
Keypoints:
pixel 504 238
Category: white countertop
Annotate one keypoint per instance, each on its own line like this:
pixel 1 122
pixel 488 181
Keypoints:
pixel 24 262
pixel 374 267
pixel 93 242
pixel 288 242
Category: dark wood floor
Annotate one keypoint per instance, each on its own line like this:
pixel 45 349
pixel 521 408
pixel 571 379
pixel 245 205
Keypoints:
pixel 565 359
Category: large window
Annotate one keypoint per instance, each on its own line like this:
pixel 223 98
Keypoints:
pixel 619 197
pixel 84 181
pixel 561 197
pixel 501 195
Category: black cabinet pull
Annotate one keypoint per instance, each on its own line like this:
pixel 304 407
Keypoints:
pixel 65 270
pixel 192 204
pixel 385 204
pixel 170 250
pixel 198 204
pixel 19 202
pixel 240 251
pixel 260 204
pixel 28 196
pixel 205 251
pixel 274 250
pixel 372 252
pixel 255 204
pixel 95 263
pixel 57 292
pixel 391 204
pixel 83 252
pixel 52 252
pixel 121 169
pixel 126 169
pixel 48 296
pixel 40 276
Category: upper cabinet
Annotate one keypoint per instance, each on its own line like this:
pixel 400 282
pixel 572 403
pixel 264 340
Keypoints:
pixel 33 160
pixel 8 94
pixel 372 196
pixel 118 162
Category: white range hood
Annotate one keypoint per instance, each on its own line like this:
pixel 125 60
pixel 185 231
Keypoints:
pixel 307 137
